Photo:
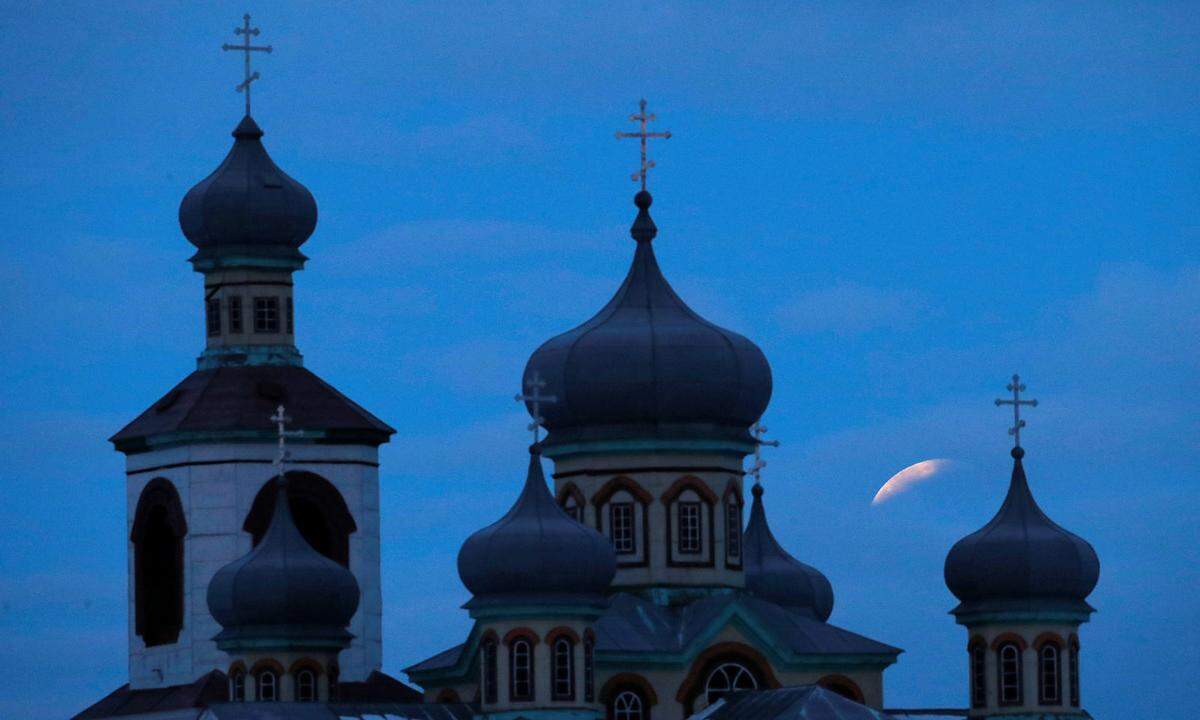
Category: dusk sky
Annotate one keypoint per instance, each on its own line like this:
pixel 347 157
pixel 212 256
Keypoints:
pixel 901 203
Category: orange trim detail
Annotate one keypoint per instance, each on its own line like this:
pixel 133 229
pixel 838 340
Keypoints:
pixel 689 482
pixel 1009 637
pixel 561 631
pixel 836 683
pixel 617 484
pixel 306 662
pixel 521 632
pixel 632 681
pixel 1048 637
pixel 975 641
pixel 267 664
pixel 692 683
pixel 572 490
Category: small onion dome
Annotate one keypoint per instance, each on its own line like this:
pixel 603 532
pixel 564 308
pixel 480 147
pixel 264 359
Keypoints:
pixel 774 575
pixel 248 212
pixel 283 592
pixel 648 366
pixel 1021 557
pixel 536 552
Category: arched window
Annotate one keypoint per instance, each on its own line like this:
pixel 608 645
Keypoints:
pixel 978 653
pixel 627 705
pixel 563 670
pixel 1073 672
pixel 726 678
pixel 572 508
pixel 733 530
pixel 520 670
pixel 1009 671
pixel 267 686
pixel 318 509
pixel 589 669
pixel 691 512
pixel 237 685
pixel 622 514
pixel 306 686
pixel 842 685
pixel 490 675
pixel 1049 668
pixel 158 532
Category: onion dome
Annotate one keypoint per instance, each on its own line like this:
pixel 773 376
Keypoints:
pixel 647 366
pixel 1021 558
pixel 775 576
pixel 536 551
pixel 248 212
pixel 283 592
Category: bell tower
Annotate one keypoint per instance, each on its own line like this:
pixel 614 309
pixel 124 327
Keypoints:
pixel 199 461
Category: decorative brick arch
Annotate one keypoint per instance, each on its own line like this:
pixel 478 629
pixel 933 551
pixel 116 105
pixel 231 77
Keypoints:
pixel 235 667
pixel 570 490
pixel 267 664
pixel 1009 637
pixel 843 686
pixel 709 502
pixel 561 631
pixel 1048 637
pixel 641 556
pixel 707 661
pixel 617 484
pixel 689 482
pixel 317 507
pixel 518 633
pixel 306 663
pixel 732 498
pixel 975 641
pixel 157 535
pixel 628 681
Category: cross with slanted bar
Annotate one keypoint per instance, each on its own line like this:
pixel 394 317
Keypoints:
pixel 534 384
pixel 642 118
pixel 247 48
pixel 1016 387
pixel 281 419
pixel 758 430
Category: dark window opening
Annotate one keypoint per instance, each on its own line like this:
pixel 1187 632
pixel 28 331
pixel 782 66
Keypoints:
pixel 733 531
pixel 1049 668
pixel 235 314
pixel 978 675
pixel 726 678
pixel 627 705
pixel 158 535
pixel 267 685
pixel 620 522
pixel 571 507
pixel 266 314
pixel 213 316
pixel 1073 674
pixel 318 510
pixel 490 671
pixel 689 527
pixel 1009 670
pixel 237 686
pixel 306 686
pixel 589 670
pixel 520 670
pixel 290 317
pixel 563 672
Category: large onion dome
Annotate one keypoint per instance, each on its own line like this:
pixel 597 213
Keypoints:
pixel 648 367
pixel 1021 559
pixel 283 592
pixel 248 211
pixel 536 551
pixel 774 575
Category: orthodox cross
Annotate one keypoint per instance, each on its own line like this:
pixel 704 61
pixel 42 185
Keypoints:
pixel 1016 387
pixel 758 430
pixel 247 48
pixel 281 419
pixel 534 384
pixel 642 118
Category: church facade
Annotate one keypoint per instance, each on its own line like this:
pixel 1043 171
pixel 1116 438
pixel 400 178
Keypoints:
pixel 633 583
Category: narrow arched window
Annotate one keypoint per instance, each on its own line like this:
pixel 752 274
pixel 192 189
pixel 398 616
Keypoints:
pixel 490 676
pixel 572 508
pixel 1009 670
pixel 267 689
pixel 727 678
pixel 627 705
pixel 622 528
pixel 689 527
pixel 978 675
pixel 1073 673
pixel 306 686
pixel 158 533
pixel 237 686
pixel 520 670
pixel 733 530
pixel 1049 669
pixel 589 669
pixel 564 669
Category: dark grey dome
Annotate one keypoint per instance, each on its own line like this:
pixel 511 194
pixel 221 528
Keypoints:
pixel 248 209
pixel 536 550
pixel 774 575
pixel 1022 555
pixel 283 591
pixel 648 366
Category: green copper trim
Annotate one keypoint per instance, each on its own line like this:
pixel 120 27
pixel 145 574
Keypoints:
pixel 535 611
pixel 1000 617
pixel 241 355
pixel 211 263
pixel 624 447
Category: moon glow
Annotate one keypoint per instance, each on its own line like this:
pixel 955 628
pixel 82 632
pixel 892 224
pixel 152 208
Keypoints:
pixel 909 476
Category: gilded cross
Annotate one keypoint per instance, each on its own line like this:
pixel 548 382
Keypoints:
pixel 642 117
pixel 281 419
pixel 1016 387
pixel 247 48
pixel 758 430
pixel 534 384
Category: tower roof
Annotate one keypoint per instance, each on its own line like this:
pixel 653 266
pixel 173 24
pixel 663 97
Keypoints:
pixel 248 212
pixel 283 592
pixel 648 366
pixel 536 552
pixel 774 575
pixel 1022 556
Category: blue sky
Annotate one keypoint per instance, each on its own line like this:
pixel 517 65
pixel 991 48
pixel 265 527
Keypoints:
pixel 902 203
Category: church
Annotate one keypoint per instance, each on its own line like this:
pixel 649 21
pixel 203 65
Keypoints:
pixel 630 582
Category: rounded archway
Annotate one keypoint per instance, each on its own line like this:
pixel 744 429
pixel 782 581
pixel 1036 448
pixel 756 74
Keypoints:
pixel 722 669
pixel 158 531
pixel 843 686
pixel 318 509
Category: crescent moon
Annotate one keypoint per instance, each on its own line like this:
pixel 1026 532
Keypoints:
pixel 909 476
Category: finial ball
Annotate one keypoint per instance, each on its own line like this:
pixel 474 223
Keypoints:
pixel 757 490
pixel 643 200
pixel 1018 452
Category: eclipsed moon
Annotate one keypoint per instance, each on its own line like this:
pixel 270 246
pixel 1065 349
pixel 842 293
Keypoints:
pixel 909 476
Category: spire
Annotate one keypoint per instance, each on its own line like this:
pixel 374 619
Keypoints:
pixel 772 574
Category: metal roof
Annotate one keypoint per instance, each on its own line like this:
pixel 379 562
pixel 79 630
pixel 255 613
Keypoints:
pixel 803 702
